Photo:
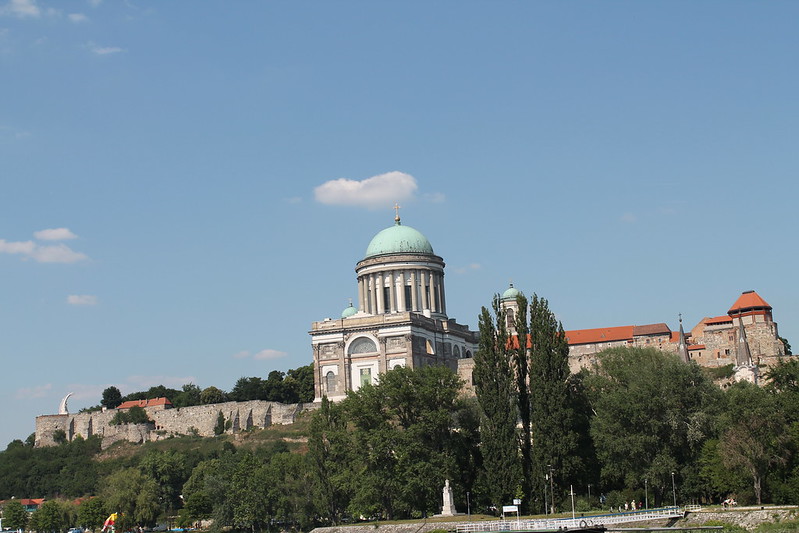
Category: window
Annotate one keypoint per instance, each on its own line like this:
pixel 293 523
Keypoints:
pixel 386 299
pixel 330 382
pixel 362 345
pixel 366 376
pixel 408 299
pixel 509 318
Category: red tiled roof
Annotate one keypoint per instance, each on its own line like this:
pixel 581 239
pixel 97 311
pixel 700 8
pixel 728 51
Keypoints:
pixel 718 320
pixel 588 336
pixel 25 501
pixel 696 347
pixel 154 402
pixel 651 329
pixel 748 300
pixel 674 337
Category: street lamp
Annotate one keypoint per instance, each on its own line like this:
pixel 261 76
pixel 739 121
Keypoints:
pixel 646 493
pixel 589 495
pixel 468 504
pixel 551 490
pixel 673 489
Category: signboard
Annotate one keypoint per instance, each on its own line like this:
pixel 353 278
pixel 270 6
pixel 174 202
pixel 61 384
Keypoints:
pixel 517 501
pixel 510 509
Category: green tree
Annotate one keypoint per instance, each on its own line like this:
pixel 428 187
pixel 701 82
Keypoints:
pixel 329 447
pixel 92 513
pixel 755 438
pixel 133 495
pixel 522 363
pixel 405 441
pixel 211 395
pixel 493 377
pixel 14 515
pixel 53 515
pixel 301 383
pixel 111 398
pixel 653 415
pixel 189 396
pixel 219 427
pixel 170 472
pixel 247 389
pixel 553 420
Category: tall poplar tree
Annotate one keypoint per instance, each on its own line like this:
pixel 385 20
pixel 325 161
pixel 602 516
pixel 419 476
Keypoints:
pixel 521 361
pixel 493 377
pixel 555 439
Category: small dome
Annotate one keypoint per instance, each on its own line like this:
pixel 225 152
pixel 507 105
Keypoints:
pixel 399 239
pixel 511 293
pixel 348 312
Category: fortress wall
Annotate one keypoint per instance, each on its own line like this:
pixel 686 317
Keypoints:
pixel 199 419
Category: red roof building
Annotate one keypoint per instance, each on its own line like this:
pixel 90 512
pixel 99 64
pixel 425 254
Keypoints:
pixel 155 403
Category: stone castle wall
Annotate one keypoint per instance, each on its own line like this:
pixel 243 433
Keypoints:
pixel 197 420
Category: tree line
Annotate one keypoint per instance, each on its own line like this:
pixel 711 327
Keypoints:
pixel 638 425
pixel 294 386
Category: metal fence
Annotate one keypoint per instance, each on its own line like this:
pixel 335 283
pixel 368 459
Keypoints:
pixel 555 524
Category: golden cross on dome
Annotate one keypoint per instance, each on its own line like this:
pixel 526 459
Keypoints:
pixel 396 209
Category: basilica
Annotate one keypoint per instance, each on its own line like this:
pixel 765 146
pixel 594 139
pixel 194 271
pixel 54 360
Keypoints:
pixel 400 318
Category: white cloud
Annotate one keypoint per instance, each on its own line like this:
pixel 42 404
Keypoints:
pixel 102 50
pixel 21 9
pixel 57 253
pixel 77 17
pixel 241 355
pixel 30 393
pixel 95 3
pixel 22 247
pixel 373 193
pixel 106 50
pixel 269 354
pixel 468 268
pixel 81 299
pixel 55 234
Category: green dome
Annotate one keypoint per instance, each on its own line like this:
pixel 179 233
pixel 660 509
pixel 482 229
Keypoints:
pixel 510 293
pixel 399 239
pixel 348 312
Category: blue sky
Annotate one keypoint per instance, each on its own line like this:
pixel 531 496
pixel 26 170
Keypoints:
pixel 185 187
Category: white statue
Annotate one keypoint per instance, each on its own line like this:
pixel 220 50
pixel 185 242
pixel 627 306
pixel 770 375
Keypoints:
pixel 448 509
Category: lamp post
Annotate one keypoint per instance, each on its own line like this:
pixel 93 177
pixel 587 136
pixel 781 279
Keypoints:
pixel 551 490
pixel 589 495
pixel 673 489
pixel 646 493
pixel 468 504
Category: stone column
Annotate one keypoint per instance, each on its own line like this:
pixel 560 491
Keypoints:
pixel 372 297
pixel 402 305
pixel 443 296
pixel 381 304
pixel 414 289
pixel 422 287
pixel 392 293
pixel 433 295
pixel 361 300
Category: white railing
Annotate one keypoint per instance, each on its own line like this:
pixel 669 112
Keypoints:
pixel 554 524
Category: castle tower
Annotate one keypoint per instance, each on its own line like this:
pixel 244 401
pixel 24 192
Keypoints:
pixel 400 319
pixel 511 307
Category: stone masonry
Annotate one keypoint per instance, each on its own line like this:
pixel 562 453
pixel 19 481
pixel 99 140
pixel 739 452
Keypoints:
pixel 197 420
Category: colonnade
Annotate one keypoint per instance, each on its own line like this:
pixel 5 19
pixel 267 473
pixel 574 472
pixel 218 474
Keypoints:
pixel 402 290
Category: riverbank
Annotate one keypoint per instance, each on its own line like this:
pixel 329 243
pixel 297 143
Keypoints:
pixel 746 517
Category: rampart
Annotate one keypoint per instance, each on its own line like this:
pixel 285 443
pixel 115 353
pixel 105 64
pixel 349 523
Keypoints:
pixel 200 420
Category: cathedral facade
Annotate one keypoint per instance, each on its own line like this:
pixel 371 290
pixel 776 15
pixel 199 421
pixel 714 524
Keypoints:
pixel 400 318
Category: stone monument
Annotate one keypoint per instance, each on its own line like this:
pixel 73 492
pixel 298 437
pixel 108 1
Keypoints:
pixel 448 509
